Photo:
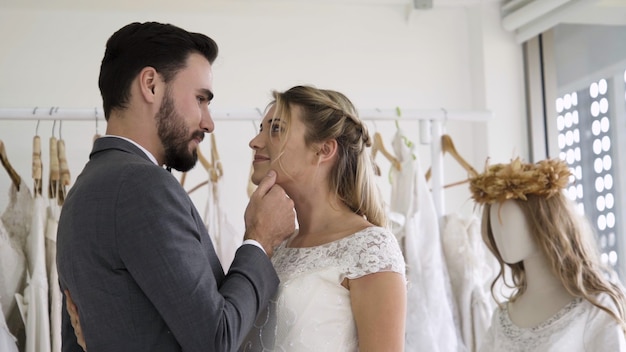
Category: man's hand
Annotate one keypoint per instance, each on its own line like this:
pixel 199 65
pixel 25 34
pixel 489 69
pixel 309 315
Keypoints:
pixel 72 310
pixel 269 217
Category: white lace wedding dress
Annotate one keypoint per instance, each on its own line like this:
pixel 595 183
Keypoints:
pixel 311 310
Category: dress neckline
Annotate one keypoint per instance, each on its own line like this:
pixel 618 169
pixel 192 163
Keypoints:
pixel 285 244
pixel 569 307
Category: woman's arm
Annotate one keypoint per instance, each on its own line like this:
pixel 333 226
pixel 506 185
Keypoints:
pixel 379 306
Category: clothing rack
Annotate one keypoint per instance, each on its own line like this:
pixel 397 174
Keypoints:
pixel 436 118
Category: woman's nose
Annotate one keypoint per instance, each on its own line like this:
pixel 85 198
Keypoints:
pixel 255 142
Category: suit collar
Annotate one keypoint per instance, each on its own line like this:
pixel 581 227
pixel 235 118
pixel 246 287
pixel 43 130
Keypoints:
pixel 119 143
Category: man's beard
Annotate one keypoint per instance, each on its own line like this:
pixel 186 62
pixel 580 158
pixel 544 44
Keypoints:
pixel 174 135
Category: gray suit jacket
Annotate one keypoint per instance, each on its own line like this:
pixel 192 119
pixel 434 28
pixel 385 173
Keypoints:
pixel 140 266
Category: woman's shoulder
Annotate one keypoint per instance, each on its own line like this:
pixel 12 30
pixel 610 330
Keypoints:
pixel 373 235
pixel 373 249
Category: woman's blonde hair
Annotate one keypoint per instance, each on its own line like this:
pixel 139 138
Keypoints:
pixel 566 239
pixel 329 115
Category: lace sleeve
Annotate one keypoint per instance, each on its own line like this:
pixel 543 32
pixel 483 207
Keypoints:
pixel 374 250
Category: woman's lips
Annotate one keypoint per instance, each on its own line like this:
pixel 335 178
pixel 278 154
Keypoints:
pixel 260 158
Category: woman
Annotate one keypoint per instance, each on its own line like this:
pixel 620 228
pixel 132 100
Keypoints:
pixel 342 273
pixel 562 298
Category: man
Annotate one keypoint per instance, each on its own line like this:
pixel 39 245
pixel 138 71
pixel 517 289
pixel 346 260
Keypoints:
pixel 132 250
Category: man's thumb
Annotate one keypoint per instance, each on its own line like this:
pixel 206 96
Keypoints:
pixel 266 183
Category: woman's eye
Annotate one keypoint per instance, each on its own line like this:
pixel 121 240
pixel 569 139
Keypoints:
pixel 275 128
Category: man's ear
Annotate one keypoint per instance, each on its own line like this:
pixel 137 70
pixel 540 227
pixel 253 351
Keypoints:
pixel 327 150
pixel 148 79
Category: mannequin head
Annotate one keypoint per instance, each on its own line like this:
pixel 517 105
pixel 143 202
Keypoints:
pixel 511 232
pixel 526 213
pixel 542 226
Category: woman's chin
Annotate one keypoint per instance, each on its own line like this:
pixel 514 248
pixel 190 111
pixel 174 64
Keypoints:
pixel 258 175
pixel 255 179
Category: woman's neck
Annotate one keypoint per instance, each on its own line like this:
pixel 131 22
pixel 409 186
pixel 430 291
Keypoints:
pixel 323 219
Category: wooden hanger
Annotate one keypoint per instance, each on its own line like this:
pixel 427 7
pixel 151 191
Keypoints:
pixel 216 171
pixel 447 146
pixel 378 145
pixel 55 174
pixel 205 164
pixel 203 160
pixel 15 178
pixel 37 166
pixel 213 167
pixel 183 178
pixel 64 172
pixel 375 166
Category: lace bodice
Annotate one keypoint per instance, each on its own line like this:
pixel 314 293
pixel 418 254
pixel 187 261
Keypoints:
pixel 365 252
pixel 311 310
pixel 579 326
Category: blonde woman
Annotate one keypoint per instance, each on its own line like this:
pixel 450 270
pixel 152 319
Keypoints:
pixel 342 284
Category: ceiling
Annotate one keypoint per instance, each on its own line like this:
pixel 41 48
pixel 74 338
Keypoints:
pixel 194 5
pixel 609 12
pixel 528 18
pixel 570 11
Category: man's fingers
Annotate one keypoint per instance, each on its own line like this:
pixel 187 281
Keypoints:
pixel 71 307
pixel 266 183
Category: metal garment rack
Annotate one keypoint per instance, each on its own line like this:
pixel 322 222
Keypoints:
pixel 436 118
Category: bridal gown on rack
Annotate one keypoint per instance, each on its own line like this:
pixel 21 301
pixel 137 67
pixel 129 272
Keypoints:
pixel 311 311
pixel 225 237
pixel 56 304
pixel 7 340
pixel 14 231
pixel 472 268
pixel 34 300
pixel 430 324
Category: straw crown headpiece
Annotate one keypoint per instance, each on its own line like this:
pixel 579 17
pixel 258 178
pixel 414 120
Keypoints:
pixel 517 179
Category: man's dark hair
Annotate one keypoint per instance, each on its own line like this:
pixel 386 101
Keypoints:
pixel 164 47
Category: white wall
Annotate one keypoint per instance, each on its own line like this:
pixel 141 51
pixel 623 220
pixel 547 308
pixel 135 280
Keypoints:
pixel 382 55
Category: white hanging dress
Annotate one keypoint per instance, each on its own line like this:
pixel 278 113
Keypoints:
pixel 472 268
pixel 225 238
pixel 430 322
pixel 14 231
pixel 56 301
pixel 34 301
pixel 8 342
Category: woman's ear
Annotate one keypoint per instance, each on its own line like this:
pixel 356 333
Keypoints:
pixel 327 150
pixel 148 79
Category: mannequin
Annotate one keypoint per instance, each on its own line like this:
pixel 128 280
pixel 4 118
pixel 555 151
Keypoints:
pixel 561 298
pixel 545 295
